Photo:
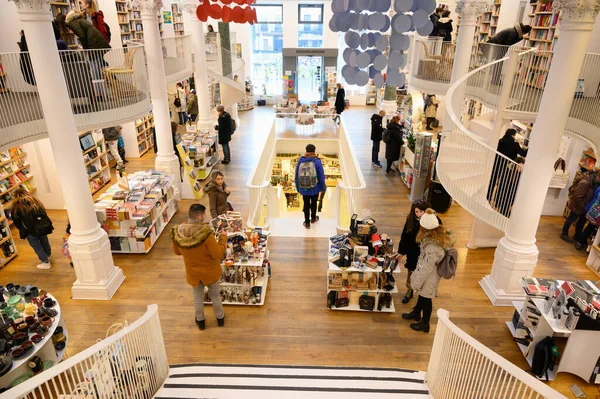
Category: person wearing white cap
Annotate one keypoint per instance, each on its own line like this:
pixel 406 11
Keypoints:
pixel 434 240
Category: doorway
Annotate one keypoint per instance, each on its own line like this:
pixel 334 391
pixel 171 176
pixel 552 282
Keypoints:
pixel 309 75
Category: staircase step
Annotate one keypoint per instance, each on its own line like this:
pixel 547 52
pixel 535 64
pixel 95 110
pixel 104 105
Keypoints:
pixel 249 382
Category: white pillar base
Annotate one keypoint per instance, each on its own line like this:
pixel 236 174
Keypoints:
pixel 99 278
pixel 170 165
pixel 512 261
pixel 483 235
pixel 389 106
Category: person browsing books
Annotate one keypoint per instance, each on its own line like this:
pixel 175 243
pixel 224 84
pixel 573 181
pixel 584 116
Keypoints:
pixel 217 194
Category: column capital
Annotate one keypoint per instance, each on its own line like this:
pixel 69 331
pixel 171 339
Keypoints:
pixel 470 10
pixel 40 8
pixel 148 7
pixel 578 10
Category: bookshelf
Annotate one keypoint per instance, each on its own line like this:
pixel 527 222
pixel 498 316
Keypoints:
pixel 177 11
pixel 58 7
pixel 97 162
pixel 14 173
pixel 8 249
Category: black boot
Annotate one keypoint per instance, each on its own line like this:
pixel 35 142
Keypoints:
pixel 415 315
pixel 408 296
pixel 421 326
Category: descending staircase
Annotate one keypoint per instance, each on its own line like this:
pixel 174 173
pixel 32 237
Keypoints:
pixel 231 91
pixel 228 381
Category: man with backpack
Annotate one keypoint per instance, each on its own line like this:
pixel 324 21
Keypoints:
pixel 310 181
pixel 226 128
pixel 581 193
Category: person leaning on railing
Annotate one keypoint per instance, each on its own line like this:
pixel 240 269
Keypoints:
pixel 91 39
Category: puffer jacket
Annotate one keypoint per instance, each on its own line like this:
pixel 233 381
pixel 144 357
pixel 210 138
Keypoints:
pixel 88 35
pixel 582 194
pixel 376 127
pixel 202 253
pixel 508 36
pixel 217 198
pixel 425 278
pixel 111 133
pixel 393 146
pixel 445 28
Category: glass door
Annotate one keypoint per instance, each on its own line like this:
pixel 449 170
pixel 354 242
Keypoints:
pixel 309 78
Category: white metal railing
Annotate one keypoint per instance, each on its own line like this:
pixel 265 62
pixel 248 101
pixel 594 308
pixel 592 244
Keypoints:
pixel 106 87
pixel 177 57
pixel 353 183
pixel 131 363
pixel 433 59
pixel 231 87
pixel 461 367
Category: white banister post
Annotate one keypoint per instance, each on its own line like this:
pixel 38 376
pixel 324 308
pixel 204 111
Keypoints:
pixel 166 160
pixel 503 101
pixel 97 276
pixel 516 255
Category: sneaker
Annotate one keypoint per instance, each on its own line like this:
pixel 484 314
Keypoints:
pixel 200 323
pixel 565 238
pixel 221 322
pixel 44 266
pixel 306 225
pixel 315 220
pixel 377 165
pixel 49 258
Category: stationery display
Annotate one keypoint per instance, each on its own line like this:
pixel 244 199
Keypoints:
pixel 246 269
pixel 363 269
pixel 33 336
pixel 199 153
pixel 135 218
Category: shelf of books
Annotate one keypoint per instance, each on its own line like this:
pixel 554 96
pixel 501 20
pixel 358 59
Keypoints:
pixel 177 11
pixel 135 211
pixel 14 173
pixel 123 18
pixel 63 7
pixel 199 153
pixel 8 249
pixel 144 134
pixel 544 21
pixel 95 156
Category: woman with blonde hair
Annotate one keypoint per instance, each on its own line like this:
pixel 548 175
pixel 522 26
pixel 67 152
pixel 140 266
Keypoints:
pixel 29 216
pixel 434 240
pixel 91 12
pixel 217 194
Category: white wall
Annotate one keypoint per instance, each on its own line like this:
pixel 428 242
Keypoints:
pixel 109 9
pixel 594 43
pixel 509 13
pixel 43 168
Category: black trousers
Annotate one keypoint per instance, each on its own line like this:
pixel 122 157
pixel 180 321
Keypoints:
pixel 375 151
pixel 389 163
pixel 424 305
pixel 310 207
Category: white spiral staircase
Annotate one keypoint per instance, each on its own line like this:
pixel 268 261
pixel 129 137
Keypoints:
pixel 480 179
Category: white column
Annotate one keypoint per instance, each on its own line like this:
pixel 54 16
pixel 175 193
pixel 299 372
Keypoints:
pixel 516 255
pixel 166 160
pixel 97 276
pixel 468 11
pixel 200 69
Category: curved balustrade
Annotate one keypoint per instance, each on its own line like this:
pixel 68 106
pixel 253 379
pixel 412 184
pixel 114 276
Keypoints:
pixel 223 73
pixel 177 57
pixel 106 88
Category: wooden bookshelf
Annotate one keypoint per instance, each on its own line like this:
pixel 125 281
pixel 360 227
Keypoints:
pixel 177 11
pixel 8 249
pixel 97 162
pixel 14 173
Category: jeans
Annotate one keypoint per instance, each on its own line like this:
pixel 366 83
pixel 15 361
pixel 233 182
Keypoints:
pixel 41 246
pixel 215 295
pixel 375 151
pixel 424 305
pixel 310 207
pixel 113 147
pixel 578 226
pixel 226 152
pixel 182 118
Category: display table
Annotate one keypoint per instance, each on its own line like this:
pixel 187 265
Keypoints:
pixel 20 370
pixel 135 211
pixel 199 153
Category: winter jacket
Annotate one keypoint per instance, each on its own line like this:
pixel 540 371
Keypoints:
pixel 593 201
pixel 425 278
pixel 508 147
pixel 409 246
pixel 320 187
pixel 340 101
pixel 583 194
pixel 431 110
pixel 224 128
pixel 192 105
pixel 445 28
pixel 376 127
pixel 434 18
pixel 508 36
pixel 202 253
pixel 89 36
pixel 111 133
pixel 27 223
pixel 392 148
pixel 217 198
pixel 98 22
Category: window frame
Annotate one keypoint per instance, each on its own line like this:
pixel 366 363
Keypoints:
pixel 270 5
pixel 300 6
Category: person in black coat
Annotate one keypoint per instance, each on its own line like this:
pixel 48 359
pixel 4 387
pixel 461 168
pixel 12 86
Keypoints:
pixel 510 36
pixel 445 26
pixel 507 188
pixel 511 149
pixel 224 128
pixel 376 133
pixel 434 18
pixel 408 245
pixel 394 143
pixel 340 102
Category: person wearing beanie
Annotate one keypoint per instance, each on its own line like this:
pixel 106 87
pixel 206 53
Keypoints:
pixel 510 36
pixel 434 240
pixel 225 132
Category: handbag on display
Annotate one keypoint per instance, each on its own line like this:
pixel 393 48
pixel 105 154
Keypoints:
pixel 366 302
pixel 342 302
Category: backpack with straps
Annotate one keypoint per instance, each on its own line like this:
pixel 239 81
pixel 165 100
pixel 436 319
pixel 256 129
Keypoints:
pixel 446 268
pixel 543 358
pixel 385 136
pixel 307 175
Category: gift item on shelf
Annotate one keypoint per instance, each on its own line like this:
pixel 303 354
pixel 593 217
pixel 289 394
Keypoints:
pixel 135 215
pixel 199 153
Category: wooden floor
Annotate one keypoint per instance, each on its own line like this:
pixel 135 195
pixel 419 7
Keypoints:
pixel 294 326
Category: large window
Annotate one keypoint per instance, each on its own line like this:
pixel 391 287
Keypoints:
pixel 310 25
pixel 267 43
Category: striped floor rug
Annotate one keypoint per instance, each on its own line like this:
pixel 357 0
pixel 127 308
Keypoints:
pixel 229 381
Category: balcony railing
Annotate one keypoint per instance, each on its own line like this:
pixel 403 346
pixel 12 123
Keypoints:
pixel 177 57
pixel 106 87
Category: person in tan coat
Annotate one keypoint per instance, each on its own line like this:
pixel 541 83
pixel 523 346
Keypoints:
pixel 202 255
pixel 217 194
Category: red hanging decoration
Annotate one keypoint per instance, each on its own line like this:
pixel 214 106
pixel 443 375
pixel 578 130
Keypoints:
pixel 242 13
pixel 201 13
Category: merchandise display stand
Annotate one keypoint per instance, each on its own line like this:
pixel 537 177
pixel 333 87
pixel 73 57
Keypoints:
pixel 48 349
pixel 14 173
pixel 246 270
pixel 95 156
pixel 7 242
pixel 135 211
pixel 199 153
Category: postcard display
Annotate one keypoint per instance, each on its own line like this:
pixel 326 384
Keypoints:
pixel 246 268
pixel 363 270
pixel 135 211
pixel 561 310
pixel 199 153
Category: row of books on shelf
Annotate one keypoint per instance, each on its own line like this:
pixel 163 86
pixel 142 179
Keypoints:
pixel 8 197
pixel 542 34
pixel 544 20
pixel 546 7
pixel 12 167
pixel 11 182
pixel 11 153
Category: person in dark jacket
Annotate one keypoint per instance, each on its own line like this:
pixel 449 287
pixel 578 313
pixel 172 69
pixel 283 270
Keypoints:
pixel 111 136
pixel 376 133
pixel 445 26
pixel 310 181
pixel 217 194
pixel 581 241
pixel 434 18
pixel 408 245
pixel 511 149
pixel 340 102
pixel 224 128
pixel 510 36
pixel 507 187
pixel 394 144
pixel 91 11
pixel 192 105
pixel 29 216
pixel 25 61
pixel 579 197
pixel 91 39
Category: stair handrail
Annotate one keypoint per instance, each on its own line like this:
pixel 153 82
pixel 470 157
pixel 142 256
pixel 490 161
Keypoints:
pixel 460 367
pixel 141 339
